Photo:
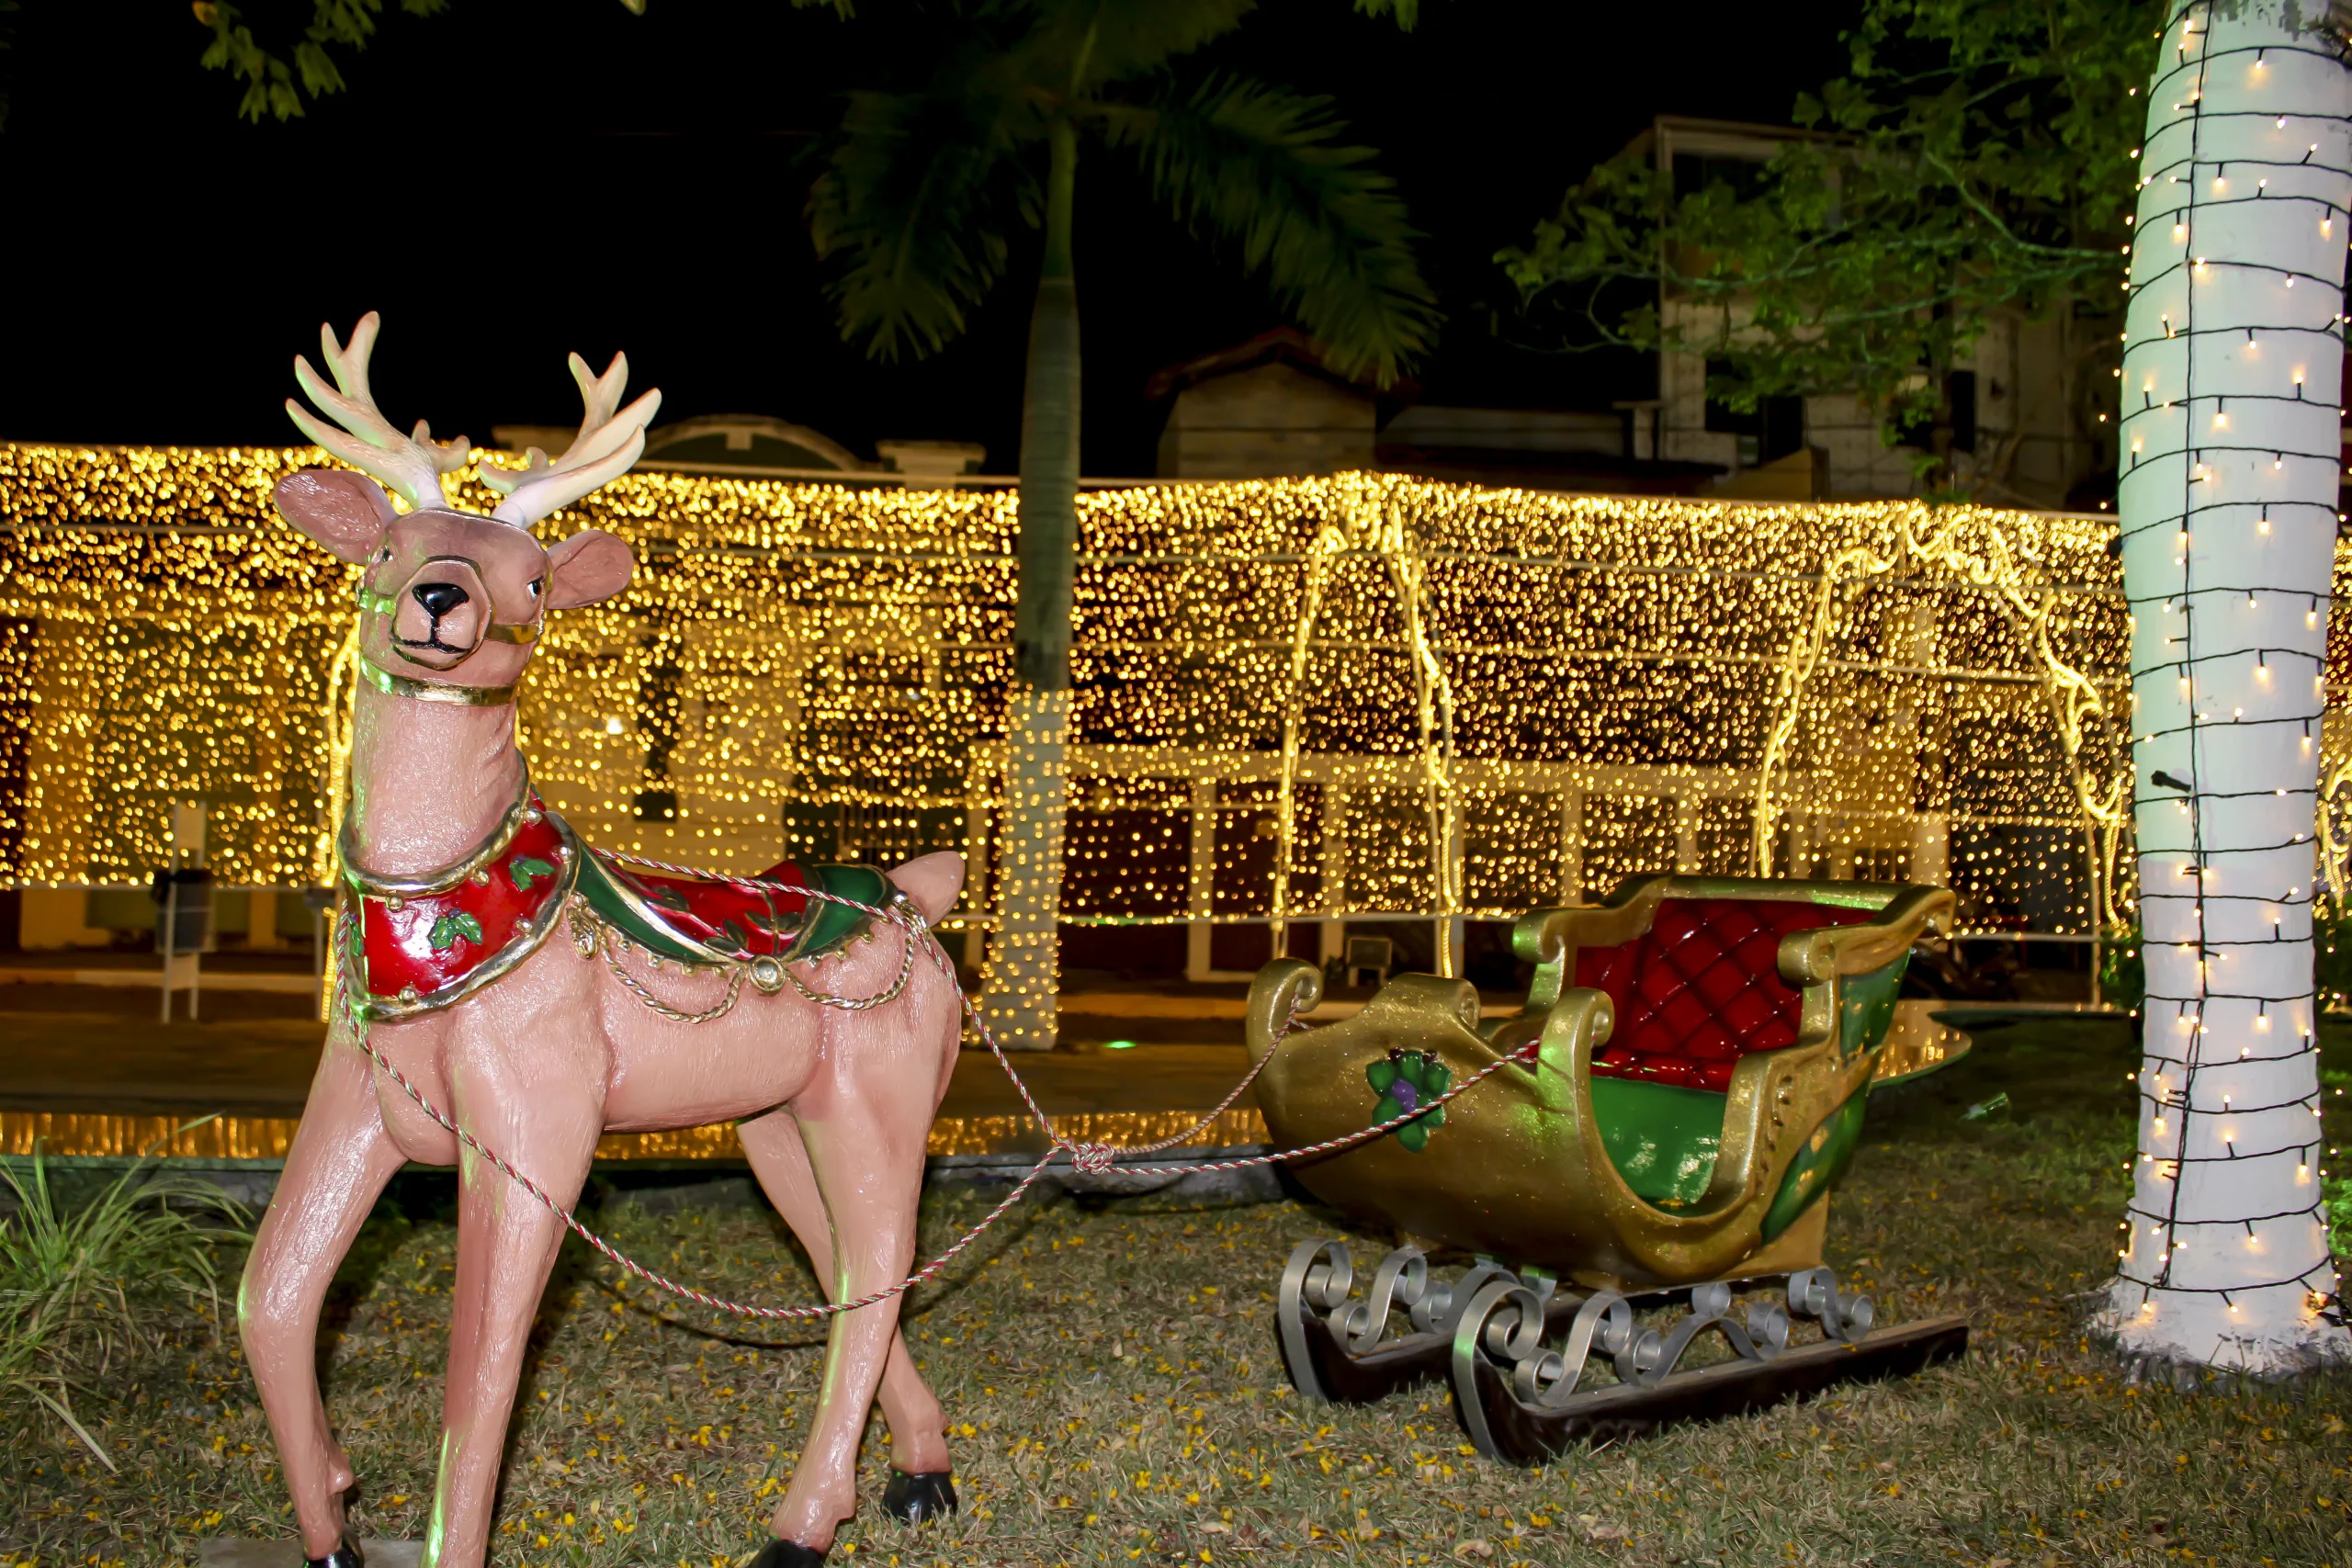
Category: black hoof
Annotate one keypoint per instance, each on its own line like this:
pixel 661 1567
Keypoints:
pixel 918 1499
pixel 787 1554
pixel 347 1555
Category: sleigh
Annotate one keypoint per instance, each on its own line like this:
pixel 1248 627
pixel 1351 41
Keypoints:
pixel 1662 1121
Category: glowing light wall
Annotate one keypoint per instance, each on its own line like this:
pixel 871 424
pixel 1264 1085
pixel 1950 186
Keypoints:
pixel 1298 700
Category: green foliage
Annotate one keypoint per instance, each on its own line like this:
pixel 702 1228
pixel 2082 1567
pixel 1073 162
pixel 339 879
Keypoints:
pixel 920 189
pixel 2123 977
pixel 1977 157
pixel 2332 956
pixel 2123 974
pixel 1261 167
pixel 914 200
pixel 276 87
pixel 80 1285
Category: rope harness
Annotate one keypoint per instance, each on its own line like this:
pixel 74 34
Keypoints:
pixel 1090 1158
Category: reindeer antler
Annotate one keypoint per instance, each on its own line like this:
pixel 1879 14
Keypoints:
pixel 610 439
pixel 409 465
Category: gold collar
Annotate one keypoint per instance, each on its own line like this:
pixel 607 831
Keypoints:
pixel 379 886
pixel 393 685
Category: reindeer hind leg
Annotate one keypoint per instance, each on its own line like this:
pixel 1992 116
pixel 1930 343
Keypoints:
pixel 923 1483
pixel 866 1151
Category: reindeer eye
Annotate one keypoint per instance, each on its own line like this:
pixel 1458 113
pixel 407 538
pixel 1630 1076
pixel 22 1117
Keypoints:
pixel 383 554
pixel 537 584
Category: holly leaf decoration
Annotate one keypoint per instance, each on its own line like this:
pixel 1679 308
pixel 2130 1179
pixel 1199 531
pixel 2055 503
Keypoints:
pixel 449 929
pixel 1381 1074
pixel 526 870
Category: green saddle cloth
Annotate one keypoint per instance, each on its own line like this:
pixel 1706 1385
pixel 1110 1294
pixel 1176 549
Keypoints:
pixel 695 920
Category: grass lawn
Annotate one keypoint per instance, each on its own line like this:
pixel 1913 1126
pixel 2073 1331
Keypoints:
pixel 1116 1395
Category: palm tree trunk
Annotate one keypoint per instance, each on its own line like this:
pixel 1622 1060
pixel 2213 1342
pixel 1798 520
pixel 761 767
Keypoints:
pixel 2230 384
pixel 1024 970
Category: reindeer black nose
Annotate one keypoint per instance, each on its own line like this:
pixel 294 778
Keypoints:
pixel 438 598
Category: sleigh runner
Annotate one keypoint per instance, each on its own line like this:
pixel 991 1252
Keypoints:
pixel 1662 1123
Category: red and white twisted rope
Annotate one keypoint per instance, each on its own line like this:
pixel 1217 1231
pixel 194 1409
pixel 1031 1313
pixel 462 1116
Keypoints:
pixel 1089 1158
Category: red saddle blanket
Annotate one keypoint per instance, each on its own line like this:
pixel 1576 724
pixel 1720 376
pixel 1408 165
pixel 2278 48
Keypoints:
pixel 424 950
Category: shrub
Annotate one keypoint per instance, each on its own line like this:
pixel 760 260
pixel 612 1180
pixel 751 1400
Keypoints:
pixel 2123 977
pixel 84 1285
pixel 2332 955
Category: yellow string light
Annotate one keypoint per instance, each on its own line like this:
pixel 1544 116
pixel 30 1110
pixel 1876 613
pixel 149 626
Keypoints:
pixel 1377 696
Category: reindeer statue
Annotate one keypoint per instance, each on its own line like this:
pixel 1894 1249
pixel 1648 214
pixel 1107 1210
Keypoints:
pixel 456 1010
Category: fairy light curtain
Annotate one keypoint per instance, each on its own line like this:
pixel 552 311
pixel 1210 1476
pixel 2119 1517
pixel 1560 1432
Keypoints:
pixel 1297 699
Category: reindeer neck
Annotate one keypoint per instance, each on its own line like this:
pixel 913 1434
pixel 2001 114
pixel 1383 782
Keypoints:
pixel 429 781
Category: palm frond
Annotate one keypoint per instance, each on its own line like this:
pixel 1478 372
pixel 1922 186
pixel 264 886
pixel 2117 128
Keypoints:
pixel 272 86
pixel 1079 46
pixel 1265 167
pixel 912 201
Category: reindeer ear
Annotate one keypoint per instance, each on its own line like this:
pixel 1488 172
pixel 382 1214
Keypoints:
pixel 345 511
pixel 590 566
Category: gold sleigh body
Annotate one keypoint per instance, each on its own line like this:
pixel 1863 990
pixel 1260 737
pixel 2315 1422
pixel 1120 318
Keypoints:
pixel 1521 1169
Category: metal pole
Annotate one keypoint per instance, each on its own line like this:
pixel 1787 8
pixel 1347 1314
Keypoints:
pixel 171 935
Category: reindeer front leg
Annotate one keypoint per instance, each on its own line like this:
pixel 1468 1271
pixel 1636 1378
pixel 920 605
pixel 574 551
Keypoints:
pixel 340 1161
pixel 507 1241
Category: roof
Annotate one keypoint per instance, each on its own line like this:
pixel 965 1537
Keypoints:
pixel 1282 345
pixel 745 439
pixel 1671 133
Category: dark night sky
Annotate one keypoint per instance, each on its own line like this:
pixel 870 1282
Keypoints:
pixel 517 179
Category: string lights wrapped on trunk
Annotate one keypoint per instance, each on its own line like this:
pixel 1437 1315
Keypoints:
pixel 2232 458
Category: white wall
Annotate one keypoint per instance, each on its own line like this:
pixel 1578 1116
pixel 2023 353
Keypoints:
pixel 2019 389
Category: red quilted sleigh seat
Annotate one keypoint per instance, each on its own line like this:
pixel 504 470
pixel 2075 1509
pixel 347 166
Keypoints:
pixel 1703 988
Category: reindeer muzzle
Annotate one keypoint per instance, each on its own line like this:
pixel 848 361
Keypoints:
pixel 441 614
